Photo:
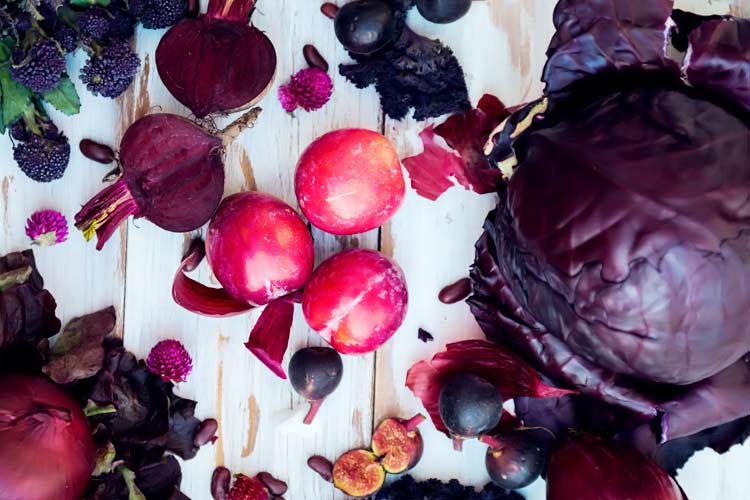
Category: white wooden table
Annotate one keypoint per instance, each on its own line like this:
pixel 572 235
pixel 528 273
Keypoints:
pixel 501 44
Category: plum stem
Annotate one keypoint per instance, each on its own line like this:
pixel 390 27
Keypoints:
pixel 458 443
pixel 314 407
pixel 234 129
pixel 414 421
pixel 491 441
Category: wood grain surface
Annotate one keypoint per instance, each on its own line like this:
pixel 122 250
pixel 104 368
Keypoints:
pixel 501 44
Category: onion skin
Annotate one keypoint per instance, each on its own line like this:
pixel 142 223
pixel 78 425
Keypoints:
pixel 216 62
pixel 46 448
pixel 590 468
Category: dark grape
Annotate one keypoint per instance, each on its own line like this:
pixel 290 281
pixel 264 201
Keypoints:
pixel 515 459
pixel 366 26
pixel 469 405
pixel 443 11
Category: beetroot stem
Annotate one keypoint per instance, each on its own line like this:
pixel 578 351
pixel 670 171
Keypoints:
pixel 458 443
pixel 105 212
pixel 314 407
pixel 231 10
pixel 231 131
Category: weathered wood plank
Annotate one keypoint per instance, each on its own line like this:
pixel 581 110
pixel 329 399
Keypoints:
pixel 258 430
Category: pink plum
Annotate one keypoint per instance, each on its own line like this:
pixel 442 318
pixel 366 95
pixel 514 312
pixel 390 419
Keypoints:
pixel 259 248
pixel 356 300
pixel 349 181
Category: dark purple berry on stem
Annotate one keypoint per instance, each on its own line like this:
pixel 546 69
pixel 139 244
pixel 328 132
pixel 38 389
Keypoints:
pixel 514 459
pixel 443 11
pixel 315 372
pixel 469 405
pixel 366 26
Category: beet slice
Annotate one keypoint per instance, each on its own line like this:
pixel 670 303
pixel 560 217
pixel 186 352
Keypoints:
pixel 216 62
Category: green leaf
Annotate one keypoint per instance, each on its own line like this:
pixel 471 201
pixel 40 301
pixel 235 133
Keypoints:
pixel 16 98
pixel 105 457
pixel 86 3
pixel 64 97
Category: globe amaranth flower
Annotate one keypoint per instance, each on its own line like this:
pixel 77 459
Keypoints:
pixel 47 228
pixel 111 72
pixel 40 68
pixel 308 89
pixel 170 360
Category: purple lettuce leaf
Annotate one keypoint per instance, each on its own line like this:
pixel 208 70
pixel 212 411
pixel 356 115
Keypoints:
pixel 78 352
pixel 27 313
pixel 602 36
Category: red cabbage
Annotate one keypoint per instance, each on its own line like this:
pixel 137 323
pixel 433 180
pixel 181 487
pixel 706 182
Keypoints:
pixel 618 259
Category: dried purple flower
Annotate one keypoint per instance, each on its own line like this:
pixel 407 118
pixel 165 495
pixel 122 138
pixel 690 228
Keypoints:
pixel 47 228
pixel 170 360
pixel 309 89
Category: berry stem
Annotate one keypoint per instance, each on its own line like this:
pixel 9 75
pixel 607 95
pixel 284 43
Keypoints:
pixel 491 441
pixel 414 421
pixel 105 212
pixel 458 443
pixel 314 407
pixel 231 10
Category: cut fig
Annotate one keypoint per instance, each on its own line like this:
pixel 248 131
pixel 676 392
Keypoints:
pixel 398 443
pixel 358 473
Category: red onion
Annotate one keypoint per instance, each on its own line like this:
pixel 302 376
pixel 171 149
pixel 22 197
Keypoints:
pixel 590 468
pixel 217 62
pixel 172 174
pixel 46 448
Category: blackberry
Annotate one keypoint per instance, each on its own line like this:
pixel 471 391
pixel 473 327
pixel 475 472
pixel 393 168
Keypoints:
pixel 110 73
pixel 406 488
pixel 155 14
pixel 121 25
pixel 94 23
pixel 42 158
pixel 67 37
pixel 41 68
